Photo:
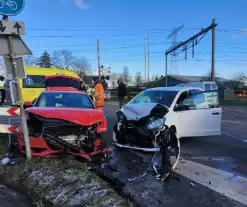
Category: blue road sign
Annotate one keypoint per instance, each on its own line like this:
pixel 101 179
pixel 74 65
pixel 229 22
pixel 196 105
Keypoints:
pixel 11 7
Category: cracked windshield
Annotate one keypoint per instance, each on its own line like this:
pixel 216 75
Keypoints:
pixel 123 103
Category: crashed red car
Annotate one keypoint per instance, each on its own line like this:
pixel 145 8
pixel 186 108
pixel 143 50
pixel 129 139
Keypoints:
pixel 63 119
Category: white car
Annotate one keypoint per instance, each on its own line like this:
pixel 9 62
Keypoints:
pixel 189 111
pixel 205 85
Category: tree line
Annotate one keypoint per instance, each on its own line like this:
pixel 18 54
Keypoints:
pixel 63 59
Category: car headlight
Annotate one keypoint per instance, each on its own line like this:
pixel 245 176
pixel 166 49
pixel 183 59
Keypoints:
pixel 156 124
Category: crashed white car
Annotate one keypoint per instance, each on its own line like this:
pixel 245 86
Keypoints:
pixel 188 111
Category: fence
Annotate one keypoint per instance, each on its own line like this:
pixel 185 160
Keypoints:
pixel 224 94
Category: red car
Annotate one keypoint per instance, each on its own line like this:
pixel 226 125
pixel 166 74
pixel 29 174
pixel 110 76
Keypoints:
pixel 63 119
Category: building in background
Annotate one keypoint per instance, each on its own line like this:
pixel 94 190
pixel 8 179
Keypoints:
pixel 174 80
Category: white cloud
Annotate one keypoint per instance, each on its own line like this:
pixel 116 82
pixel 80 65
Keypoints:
pixel 81 4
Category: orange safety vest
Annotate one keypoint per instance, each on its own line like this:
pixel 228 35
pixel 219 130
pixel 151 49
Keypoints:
pixel 99 96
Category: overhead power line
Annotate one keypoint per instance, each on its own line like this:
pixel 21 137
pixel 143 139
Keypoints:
pixel 128 30
pixel 105 30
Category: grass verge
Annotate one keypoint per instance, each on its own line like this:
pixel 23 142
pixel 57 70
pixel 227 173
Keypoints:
pixel 58 182
pixel 63 182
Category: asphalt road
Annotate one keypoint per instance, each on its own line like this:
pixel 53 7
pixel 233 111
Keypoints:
pixel 203 159
pixel 212 170
pixel 9 198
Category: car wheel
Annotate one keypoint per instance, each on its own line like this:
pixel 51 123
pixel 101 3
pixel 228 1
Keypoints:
pixel 169 154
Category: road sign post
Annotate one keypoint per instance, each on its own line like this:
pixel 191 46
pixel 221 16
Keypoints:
pixel 11 45
pixel 22 112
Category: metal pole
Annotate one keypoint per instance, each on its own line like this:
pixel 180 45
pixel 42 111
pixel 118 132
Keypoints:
pixel 166 71
pixel 145 57
pixel 9 135
pixel 148 57
pixel 22 112
pixel 98 57
pixel 213 50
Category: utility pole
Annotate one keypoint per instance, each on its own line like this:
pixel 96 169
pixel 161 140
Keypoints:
pixel 192 41
pixel 22 111
pixel 148 57
pixel 213 50
pixel 145 59
pixel 98 51
pixel 173 36
pixel 166 71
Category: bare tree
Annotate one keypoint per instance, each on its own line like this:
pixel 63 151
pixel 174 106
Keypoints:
pixel 30 61
pixel 126 76
pixel 238 80
pixel 63 59
pixel 114 78
pixel 138 79
pixel 154 77
pixel 207 76
pixel 81 66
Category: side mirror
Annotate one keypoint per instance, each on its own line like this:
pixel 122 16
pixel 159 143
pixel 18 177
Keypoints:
pixel 27 105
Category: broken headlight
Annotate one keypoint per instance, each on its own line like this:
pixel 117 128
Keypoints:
pixel 120 116
pixel 156 123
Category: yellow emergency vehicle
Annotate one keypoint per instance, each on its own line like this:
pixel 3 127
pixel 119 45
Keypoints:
pixel 34 83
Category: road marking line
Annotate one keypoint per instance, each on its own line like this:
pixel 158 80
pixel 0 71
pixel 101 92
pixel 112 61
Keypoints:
pixel 234 187
pixel 234 122
pixel 234 137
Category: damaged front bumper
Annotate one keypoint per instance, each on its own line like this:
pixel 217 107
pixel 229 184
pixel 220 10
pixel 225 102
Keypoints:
pixel 49 137
pixel 137 130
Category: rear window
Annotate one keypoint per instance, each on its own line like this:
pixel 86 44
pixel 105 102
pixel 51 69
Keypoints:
pixel 207 87
pixel 34 81
pixel 62 82
pixel 214 86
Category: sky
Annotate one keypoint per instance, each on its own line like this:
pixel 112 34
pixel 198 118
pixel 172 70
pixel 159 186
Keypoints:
pixel 121 25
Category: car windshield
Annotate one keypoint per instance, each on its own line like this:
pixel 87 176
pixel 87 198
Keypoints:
pixel 70 100
pixel 155 96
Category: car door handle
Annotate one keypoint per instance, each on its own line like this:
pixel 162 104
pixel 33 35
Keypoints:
pixel 216 113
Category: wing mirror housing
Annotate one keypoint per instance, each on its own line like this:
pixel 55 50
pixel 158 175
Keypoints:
pixel 27 105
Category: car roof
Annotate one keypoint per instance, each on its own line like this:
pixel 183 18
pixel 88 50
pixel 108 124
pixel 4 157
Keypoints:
pixel 61 76
pixel 63 90
pixel 173 88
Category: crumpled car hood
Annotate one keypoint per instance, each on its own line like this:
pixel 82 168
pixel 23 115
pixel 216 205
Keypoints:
pixel 138 111
pixel 85 117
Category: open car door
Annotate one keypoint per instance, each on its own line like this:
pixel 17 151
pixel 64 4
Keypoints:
pixel 62 81
pixel 200 115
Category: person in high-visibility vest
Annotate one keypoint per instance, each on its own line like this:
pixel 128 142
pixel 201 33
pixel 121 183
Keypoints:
pixel 98 94
pixel 87 90
pixel 2 89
